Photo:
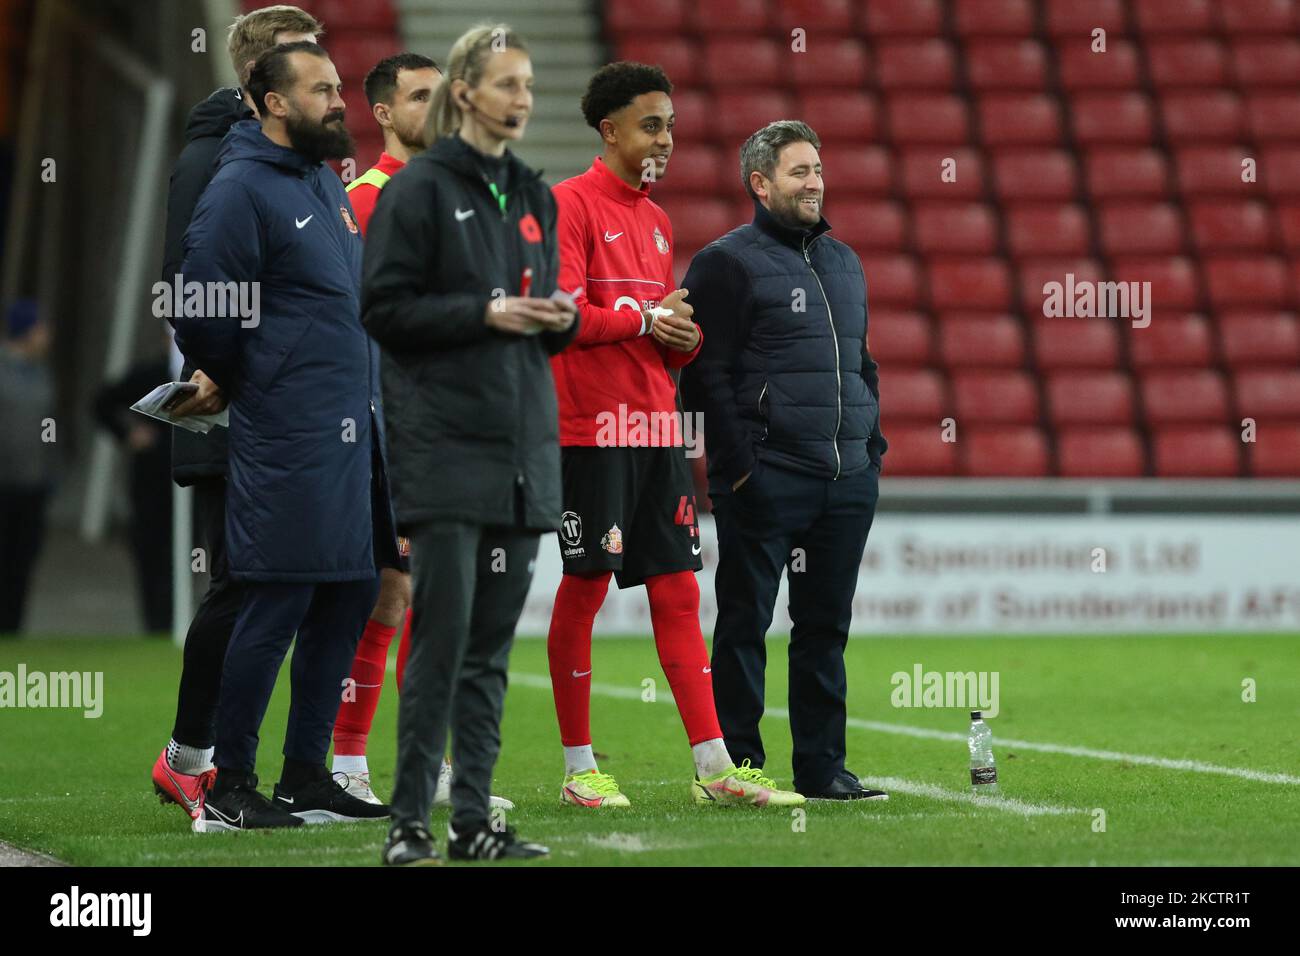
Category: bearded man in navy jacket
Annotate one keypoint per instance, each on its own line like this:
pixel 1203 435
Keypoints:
pixel 300 375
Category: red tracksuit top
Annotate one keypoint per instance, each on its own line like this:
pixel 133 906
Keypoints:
pixel 617 246
pixel 364 195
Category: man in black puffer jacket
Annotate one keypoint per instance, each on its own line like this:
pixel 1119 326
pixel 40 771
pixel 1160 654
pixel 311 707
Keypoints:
pixel 790 403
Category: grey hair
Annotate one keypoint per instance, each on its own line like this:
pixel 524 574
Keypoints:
pixel 761 149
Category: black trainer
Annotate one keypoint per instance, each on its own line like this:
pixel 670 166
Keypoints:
pixel 846 786
pixel 327 801
pixel 236 804
pixel 410 846
pixel 488 844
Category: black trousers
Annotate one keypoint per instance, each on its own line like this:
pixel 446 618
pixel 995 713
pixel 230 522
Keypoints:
pixel 22 532
pixel 760 526
pixel 214 622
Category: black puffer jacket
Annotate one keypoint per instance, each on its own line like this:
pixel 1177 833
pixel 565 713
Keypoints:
pixel 473 424
pixel 197 456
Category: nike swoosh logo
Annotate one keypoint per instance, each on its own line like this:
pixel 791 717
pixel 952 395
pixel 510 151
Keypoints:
pixel 695 549
pixel 609 238
pixel 190 805
pixel 708 670
pixel 583 674
pixel 236 821
pixel 302 222
pixel 462 216
pixel 288 800
pixel 734 793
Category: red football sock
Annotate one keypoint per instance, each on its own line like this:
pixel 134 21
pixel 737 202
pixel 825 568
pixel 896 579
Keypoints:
pixel 352 726
pixel 403 649
pixel 675 615
pixel 568 649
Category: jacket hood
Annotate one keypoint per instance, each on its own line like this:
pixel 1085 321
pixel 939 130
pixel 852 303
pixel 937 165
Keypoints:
pixel 247 141
pixel 215 115
pixel 458 155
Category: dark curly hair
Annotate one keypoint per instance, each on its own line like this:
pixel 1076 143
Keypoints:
pixel 615 85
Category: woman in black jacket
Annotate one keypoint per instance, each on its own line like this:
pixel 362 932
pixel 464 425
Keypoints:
pixel 458 240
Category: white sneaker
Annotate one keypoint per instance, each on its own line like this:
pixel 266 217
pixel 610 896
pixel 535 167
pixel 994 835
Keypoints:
pixel 359 787
pixel 442 793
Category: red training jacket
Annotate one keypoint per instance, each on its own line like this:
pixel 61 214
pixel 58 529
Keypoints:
pixel 364 195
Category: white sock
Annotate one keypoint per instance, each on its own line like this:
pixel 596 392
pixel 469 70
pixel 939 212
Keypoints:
pixel 711 757
pixel 344 764
pixel 186 759
pixel 578 759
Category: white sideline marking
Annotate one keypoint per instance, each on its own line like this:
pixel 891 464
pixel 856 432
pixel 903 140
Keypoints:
pixel 907 730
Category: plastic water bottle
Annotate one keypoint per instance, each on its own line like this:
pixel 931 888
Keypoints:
pixel 983 772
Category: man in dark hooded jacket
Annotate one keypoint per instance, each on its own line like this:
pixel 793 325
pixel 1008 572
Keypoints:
pixel 276 252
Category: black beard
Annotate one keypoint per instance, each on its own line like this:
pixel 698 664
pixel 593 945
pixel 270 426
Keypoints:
pixel 328 139
pixel 788 215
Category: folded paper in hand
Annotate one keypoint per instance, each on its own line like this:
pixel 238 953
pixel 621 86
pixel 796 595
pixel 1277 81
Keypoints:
pixel 162 400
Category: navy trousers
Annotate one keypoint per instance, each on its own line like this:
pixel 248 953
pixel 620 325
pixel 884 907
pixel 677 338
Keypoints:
pixel 760 526
pixel 328 620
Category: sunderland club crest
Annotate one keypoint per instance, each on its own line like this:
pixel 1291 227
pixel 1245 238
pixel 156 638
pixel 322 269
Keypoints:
pixel 660 242
pixel 612 541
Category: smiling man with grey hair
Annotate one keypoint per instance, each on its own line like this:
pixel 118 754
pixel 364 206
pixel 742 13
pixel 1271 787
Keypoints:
pixel 790 403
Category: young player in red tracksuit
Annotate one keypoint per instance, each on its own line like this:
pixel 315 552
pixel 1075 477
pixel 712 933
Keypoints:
pixel 629 503
pixel 399 90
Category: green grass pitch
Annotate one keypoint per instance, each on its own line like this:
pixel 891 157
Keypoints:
pixel 1085 724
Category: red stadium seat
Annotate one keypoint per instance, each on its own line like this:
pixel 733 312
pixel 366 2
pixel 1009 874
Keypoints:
pixel 1174 16
pixel 1275 17
pixel 1190 396
pixel 1001 397
pixel 710 17
pixel 1260 338
pixel 1133 228
pixel 1196 452
pixel 1247 281
pixel 1203 116
pixel 1072 18
pixel 922 118
pixel 1036 273
pixel 1118 118
pixel 1066 343
pixel 980 340
pixel 1280 170
pixel 694 168
pixel 1047 229
pixel 954 228
pixel 869 225
pixel 355 54
pixel 914 65
pixel 631 17
pixel 860 170
pixel 337 14
pixel 1003 64
pixel 697 221
pixel 840 116
pixel 1274 116
pixel 733 61
pixel 678 57
pixel 1197 62
pixel 1288 221
pixel 736 115
pixel 1213 170
pixel 1115 173
pixel 1016 452
pixel 899 338
pixel 975 283
pixel 994 17
pixel 1082 69
pixel 1172 340
pixel 836 63
pixel 923 174
pixel 918 450
pixel 1230 226
pixel 1100 453
pixel 892 280
pixel 1034 174
pixel 1089 398
pixel 1173 279
pixel 1268 394
pixel 1019 119
pixel 694 116
pixel 1262 63
pixel 902 18
pixel 1275 452
pixel 914 394
pixel 818 17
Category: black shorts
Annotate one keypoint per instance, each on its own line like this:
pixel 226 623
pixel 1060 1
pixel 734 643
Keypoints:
pixel 630 511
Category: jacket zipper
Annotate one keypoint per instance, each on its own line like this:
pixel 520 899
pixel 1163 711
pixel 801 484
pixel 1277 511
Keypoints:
pixel 760 410
pixel 835 344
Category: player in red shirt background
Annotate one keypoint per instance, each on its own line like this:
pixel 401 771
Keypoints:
pixel 628 495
